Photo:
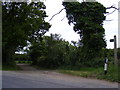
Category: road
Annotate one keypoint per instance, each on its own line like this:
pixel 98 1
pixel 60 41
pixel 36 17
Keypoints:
pixel 30 77
pixel 49 79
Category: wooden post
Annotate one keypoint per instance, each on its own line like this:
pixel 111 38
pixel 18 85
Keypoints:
pixel 115 51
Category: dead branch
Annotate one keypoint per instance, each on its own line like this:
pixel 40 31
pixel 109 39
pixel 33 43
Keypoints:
pixel 111 12
pixel 109 20
pixel 83 0
pixel 62 19
pixel 112 7
pixel 56 14
pixel 115 9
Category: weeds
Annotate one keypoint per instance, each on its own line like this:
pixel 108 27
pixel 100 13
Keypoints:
pixel 97 73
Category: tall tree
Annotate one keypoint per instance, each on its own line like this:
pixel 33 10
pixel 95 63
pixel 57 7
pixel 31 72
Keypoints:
pixel 88 18
pixel 21 22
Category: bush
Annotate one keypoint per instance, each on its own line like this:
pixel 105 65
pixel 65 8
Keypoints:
pixel 19 61
pixel 118 53
pixel 41 61
pixel 21 57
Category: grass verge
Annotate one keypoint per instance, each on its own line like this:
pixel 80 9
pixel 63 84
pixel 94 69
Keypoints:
pixel 10 68
pixel 97 73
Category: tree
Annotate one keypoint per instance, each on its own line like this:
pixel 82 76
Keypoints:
pixel 52 52
pixel 21 22
pixel 88 18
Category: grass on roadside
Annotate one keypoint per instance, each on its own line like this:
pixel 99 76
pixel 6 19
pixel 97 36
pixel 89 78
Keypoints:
pixel 10 68
pixel 97 73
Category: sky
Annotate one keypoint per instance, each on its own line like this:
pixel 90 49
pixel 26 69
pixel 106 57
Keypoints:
pixel 60 23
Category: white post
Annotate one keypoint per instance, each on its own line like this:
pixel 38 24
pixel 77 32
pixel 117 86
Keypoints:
pixel 105 66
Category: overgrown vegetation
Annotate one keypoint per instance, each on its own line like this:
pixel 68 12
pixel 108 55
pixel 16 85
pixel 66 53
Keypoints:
pixel 26 26
pixel 87 18
pixel 21 57
pixel 10 68
pixel 22 22
pixel 54 52
pixel 90 72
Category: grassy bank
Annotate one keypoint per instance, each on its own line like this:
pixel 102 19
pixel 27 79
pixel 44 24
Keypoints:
pixel 90 72
pixel 10 68
pixel 97 73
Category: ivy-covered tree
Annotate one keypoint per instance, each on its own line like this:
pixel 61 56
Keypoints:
pixel 88 18
pixel 21 22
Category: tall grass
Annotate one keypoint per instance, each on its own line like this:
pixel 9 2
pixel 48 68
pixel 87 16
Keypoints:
pixel 10 68
pixel 90 72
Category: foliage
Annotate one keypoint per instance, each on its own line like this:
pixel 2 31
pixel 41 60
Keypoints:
pixel 10 68
pixel 21 57
pixel 54 52
pixel 21 22
pixel 27 62
pixel 36 50
pixel 91 72
pixel 51 52
pixel 118 53
pixel 88 18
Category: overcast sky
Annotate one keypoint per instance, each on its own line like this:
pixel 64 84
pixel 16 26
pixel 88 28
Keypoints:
pixel 67 32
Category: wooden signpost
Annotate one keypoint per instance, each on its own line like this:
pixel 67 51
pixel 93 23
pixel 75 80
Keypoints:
pixel 115 49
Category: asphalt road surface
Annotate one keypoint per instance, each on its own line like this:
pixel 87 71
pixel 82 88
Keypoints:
pixel 12 79
pixel 49 79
